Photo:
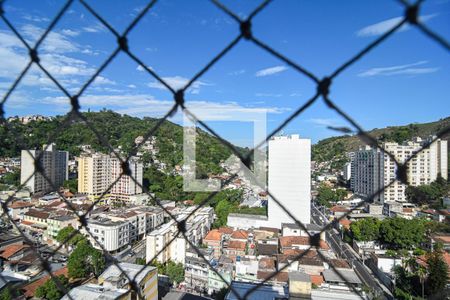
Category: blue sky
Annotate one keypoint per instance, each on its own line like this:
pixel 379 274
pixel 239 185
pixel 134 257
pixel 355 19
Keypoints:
pixel 405 80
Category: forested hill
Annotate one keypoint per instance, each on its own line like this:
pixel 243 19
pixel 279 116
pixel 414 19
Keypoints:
pixel 333 148
pixel 118 130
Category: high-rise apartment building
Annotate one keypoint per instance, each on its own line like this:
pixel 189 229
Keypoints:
pixel 96 172
pixel 54 165
pixel 373 169
pixel 289 179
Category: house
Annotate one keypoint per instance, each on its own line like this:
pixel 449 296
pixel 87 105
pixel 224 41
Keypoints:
pixel 299 242
pixel 267 247
pixel 17 209
pixel 214 240
pixel 239 235
pixel 29 290
pixel 338 211
pixel 246 269
pixel 145 278
pixel 221 275
pixel 235 248
pixel 196 269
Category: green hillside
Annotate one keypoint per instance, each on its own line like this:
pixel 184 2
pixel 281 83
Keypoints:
pixel 334 148
pixel 118 130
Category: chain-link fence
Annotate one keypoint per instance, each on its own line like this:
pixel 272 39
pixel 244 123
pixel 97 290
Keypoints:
pixel 243 33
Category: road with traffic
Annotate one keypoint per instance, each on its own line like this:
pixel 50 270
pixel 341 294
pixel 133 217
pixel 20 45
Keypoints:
pixel 346 252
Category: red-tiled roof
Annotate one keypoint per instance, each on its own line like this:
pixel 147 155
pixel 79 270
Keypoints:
pixel 37 214
pixel 267 263
pixel 345 223
pixel 338 208
pixel 279 277
pixel 316 279
pixel 28 223
pixel 19 204
pixel 289 241
pixel 10 250
pixel 213 235
pixel 240 235
pixel 30 289
pixel 226 230
pixel 236 245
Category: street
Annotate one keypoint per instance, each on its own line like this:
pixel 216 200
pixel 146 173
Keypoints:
pixel 344 251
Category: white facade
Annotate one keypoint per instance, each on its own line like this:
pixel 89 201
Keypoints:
pixel 54 164
pixel 126 186
pixel 373 169
pixel 289 179
pixel 112 235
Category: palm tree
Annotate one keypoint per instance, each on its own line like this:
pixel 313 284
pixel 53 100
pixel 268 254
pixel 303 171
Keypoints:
pixel 421 272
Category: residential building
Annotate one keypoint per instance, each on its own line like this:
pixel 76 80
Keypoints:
pixel 221 275
pixel 90 291
pixel 289 179
pixel 196 269
pixel 53 163
pixel 374 169
pixel 166 243
pixel 214 240
pixel 56 223
pixel 97 172
pixel 94 174
pixel 113 236
pixel 146 279
pixel 16 209
pixel 247 269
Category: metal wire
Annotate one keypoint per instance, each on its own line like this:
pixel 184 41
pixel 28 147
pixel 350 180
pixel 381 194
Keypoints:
pixel 411 16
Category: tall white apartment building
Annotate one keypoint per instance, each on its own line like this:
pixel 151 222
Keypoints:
pixel 374 169
pixel 54 164
pixel 289 179
pixel 96 172
pixel 113 236
pixel 422 169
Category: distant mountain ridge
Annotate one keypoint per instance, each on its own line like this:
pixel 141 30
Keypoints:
pixel 334 148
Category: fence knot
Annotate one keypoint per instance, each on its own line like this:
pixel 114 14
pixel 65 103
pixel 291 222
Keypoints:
pixel 402 174
pixel 246 29
pixel 123 43
pixel 74 102
pixel 38 166
pixel 411 14
pixel 34 55
pixel 126 168
pixel 315 240
pixel 182 226
pixel 83 221
pixel 323 87
pixel 179 98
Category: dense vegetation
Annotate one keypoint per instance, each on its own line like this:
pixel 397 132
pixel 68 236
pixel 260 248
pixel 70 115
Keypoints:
pixel 334 148
pixel 50 291
pixel 415 281
pixel 119 131
pixel 429 194
pixel 85 260
pixel 326 195
pixel 175 271
pixel 395 233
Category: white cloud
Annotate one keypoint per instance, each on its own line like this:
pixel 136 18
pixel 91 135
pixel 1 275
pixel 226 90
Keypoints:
pixel 131 86
pixel 178 82
pixel 238 72
pixel 98 27
pixel 141 68
pixel 70 32
pixel 102 80
pixel 407 69
pixel 268 95
pixel 35 18
pixel 384 26
pixel 270 71
pixel 54 42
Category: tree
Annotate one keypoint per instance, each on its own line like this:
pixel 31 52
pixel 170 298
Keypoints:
pixel 175 271
pixel 49 290
pixel 67 235
pixel 71 184
pixel 11 178
pixel 437 272
pixel 367 229
pixel 400 233
pixel 140 261
pixel 429 194
pixel 6 294
pixel 325 195
pixel 85 260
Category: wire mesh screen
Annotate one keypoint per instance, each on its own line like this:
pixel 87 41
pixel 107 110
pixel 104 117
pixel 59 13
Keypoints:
pixel 244 33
